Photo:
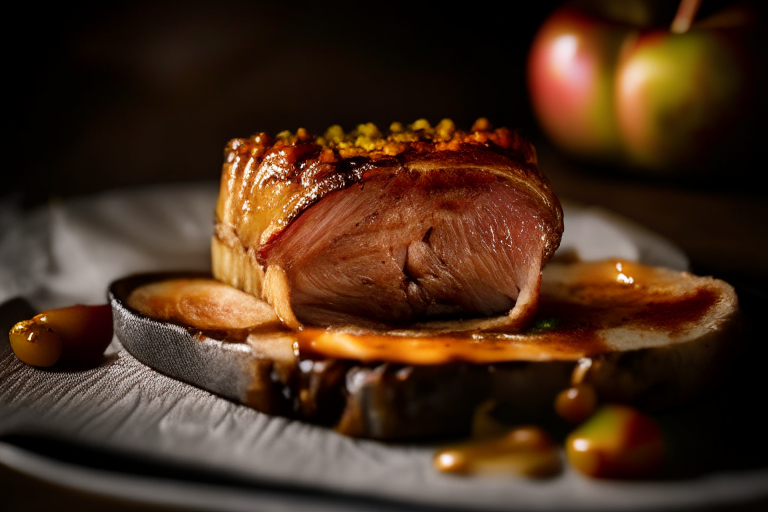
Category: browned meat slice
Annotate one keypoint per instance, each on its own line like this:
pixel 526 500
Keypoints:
pixel 431 226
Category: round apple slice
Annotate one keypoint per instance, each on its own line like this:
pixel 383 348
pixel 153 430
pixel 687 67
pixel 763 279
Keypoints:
pixel 193 328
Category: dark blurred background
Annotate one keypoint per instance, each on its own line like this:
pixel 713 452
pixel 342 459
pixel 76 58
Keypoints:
pixel 124 93
pixel 115 94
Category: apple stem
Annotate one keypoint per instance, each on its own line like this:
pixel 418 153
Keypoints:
pixel 685 15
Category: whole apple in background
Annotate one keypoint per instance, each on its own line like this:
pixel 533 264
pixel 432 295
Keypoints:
pixel 571 75
pixel 610 81
pixel 679 97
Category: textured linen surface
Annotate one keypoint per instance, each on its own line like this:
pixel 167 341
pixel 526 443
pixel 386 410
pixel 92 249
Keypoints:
pixel 70 252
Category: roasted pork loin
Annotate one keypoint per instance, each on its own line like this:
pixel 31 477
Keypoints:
pixel 434 227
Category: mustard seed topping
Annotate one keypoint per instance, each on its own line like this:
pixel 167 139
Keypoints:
pixel 367 140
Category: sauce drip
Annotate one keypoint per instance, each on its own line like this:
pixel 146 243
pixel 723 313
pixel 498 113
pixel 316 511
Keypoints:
pixel 577 403
pixel 525 451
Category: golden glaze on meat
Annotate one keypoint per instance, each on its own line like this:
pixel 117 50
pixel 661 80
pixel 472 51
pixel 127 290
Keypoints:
pixel 268 183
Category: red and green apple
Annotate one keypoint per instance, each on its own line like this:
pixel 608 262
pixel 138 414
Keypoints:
pixel 612 81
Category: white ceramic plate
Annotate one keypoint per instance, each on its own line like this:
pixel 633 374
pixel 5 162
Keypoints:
pixel 72 251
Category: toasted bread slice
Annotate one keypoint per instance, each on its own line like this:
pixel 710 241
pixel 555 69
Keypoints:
pixel 647 336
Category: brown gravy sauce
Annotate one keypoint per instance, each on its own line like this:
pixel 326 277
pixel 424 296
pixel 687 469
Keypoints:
pixel 569 324
pixel 525 451
pixel 481 348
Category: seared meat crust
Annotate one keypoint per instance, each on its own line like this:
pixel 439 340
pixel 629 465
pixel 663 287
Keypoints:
pixel 419 225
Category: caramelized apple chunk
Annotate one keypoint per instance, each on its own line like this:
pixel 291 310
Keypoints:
pixel 617 442
pixel 76 335
pixel 35 344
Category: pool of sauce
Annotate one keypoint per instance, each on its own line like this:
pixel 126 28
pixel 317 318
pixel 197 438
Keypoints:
pixel 578 306
pixel 575 314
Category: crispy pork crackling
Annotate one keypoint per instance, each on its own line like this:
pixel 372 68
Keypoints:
pixel 419 226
